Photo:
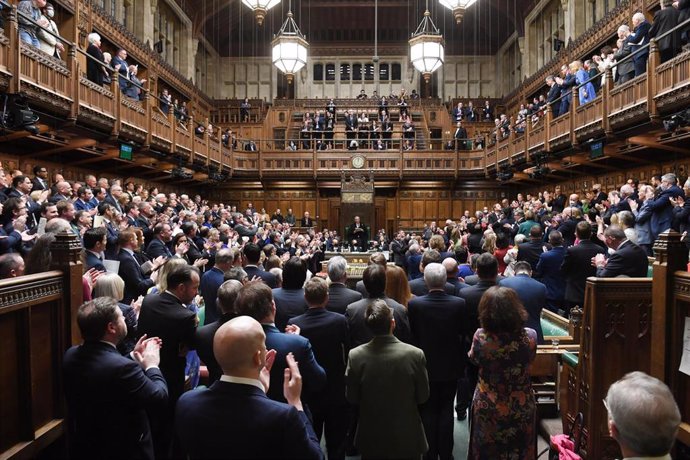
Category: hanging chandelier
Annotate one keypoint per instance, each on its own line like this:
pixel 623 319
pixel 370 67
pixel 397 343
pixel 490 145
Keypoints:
pixel 426 46
pixel 458 7
pixel 289 48
pixel 260 8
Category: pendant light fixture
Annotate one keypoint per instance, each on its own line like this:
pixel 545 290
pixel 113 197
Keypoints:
pixel 458 7
pixel 260 8
pixel 426 46
pixel 289 48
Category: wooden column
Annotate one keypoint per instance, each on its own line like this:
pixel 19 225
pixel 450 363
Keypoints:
pixel 66 257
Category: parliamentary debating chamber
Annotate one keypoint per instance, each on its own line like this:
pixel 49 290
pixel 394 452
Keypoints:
pixel 289 122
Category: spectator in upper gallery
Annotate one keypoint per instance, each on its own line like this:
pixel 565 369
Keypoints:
pixel 165 101
pixel 664 20
pixel 133 89
pixel 49 38
pixel 459 112
pixel 362 95
pixel 684 14
pixel 108 69
pixel 642 416
pixel 471 112
pixel 638 39
pixel 245 106
pixel 586 91
pixel 592 72
pixel 625 70
pixel 30 21
pixel 119 63
pixel 94 70
pixel 553 94
pixel 566 82
pixel 487 112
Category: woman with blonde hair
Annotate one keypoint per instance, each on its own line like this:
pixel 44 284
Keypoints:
pixel 586 91
pixel 489 243
pixel 111 285
pixel 397 286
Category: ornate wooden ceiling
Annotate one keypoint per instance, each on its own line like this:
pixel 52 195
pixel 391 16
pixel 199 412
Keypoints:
pixel 230 26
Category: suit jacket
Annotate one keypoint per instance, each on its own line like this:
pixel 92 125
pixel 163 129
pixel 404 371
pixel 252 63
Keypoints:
pixel 304 222
pixel 389 422
pixel 638 39
pixel 530 251
pixel 81 205
pixel 626 67
pixel 289 303
pixel 472 295
pixel 664 20
pixel 208 287
pixel 340 296
pixel 360 333
pixel 359 287
pixel 113 202
pixel 38 185
pixel 269 278
pixel 94 70
pixel 313 375
pixel 472 280
pixel 108 393
pixel 329 336
pixel 437 321
pixel 532 294
pixel 577 267
pixel 549 273
pixel 418 287
pixel 203 343
pixel 162 315
pixel 398 248
pixel 123 71
pixel 233 420
pixel 93 261
pixel 136 283
pixel 629 260
pixel 158 248
pixel 662 210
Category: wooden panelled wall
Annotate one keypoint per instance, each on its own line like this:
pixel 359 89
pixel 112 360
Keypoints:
pixel 403 208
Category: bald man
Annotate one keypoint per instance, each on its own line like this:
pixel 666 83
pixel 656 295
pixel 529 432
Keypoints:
pixel 234 418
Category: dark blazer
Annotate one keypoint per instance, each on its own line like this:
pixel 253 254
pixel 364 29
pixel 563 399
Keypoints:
pixel 629 260
pixel 313 375
pixel 664 20
pixel 360 333
pixel 549 273
pixel 93 261
pixel 638 39
pixel 94 70
pixel 340 296
pixel 662 210
pixel 399 248
pixel 162 315
pixel 210 282
pixel 329 336
pixel 289 303
pixel 626 67
pixel 577 267
pixel 437 321
pixel 472 295
pixel 203 343
pixel 109 394
pixel 136 283
pixel 359 287
pixel 418 287
pixel 37 185
pixel 530 251
pixel 232 420
pixel 269 278
pixel 113 202
pixel 304 222
pixel 157 248
pixel 457 285
pixel 472 280
pixel 532 294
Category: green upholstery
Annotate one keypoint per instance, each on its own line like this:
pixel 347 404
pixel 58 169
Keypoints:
pixel 570 359
pixel 650 270
pixel 201 314
pixel 549 328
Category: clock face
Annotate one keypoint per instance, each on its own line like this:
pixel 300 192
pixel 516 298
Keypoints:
pixel 357 161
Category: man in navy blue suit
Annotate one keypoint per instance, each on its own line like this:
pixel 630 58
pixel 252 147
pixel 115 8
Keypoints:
pixel 252 254
pixel 136 283
pixel 162 235
pixel 289 298
pixel 437 321
pixel 549 271
pixel 339 295
pixel 532 294
pixel 628 258
pixel 577 265
pixel 94 247
pixel 109 394
pixel 638 39
pixel 256 300
pixel 212 280
pixel 662 206
pixel 418 286
pixel 234 418
pixel 328 334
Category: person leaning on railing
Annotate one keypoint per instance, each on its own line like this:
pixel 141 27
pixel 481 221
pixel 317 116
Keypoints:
pixel 30 21
pixel 95 72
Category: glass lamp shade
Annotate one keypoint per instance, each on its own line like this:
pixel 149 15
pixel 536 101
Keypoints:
pixel 289 54
pixel 260 8
pixel 427 54
pixel 458 7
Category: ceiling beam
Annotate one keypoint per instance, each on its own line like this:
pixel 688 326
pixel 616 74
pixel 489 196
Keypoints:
pixel 22 134
pixel 653 142
pixel 108 155
pixel 74 145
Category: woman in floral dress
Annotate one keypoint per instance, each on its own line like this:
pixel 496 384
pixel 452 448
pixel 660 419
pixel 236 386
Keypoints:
pixel 503 424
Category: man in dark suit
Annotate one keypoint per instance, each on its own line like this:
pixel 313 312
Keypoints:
pixel 487 270
pixel 664 20
pixel 289 298
pixel 451 266
pixel 566 84
pixel 437 321
pixel 418 286
pixel 549 271
pixel 251 255
pixel 119 63
pixel 94 247
pixel 164 315
pixel 377 258
pixel 628 259
pixel 328 334
pixel 339 295
pixel 577 265
pixel 375 283
pixel 40 180
pixel 662 207
pixel 212 280
pixel 350 126
pixel 357 235
pixel 532 294
pixel 162 235
pixel 460 137
pixel 306 221
pixel 108 394
pixel 388 382
pixel 256 300
pixel 203 339
pixel 638 39
pixel 531 250
pixel 553 94
pixel 136 283
pixel 399 247
pixel 234 418
pixel 113 198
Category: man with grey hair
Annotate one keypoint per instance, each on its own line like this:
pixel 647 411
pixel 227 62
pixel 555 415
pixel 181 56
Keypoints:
pixel 643 417
pixel 553 94
pixel 419 286
pixel 628 258
pixel 662 206
pixel 638 40
pixel 625 70
pixel 236 273
pixel 438 321
pixel 212 280
pixel 339 295
pixel 203 339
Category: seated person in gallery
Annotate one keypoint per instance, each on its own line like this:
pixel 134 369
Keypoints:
pixel 362 95
pixel 357 234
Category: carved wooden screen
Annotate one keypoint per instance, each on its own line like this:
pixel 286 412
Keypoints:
pixel 357 199
pixel 680 382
